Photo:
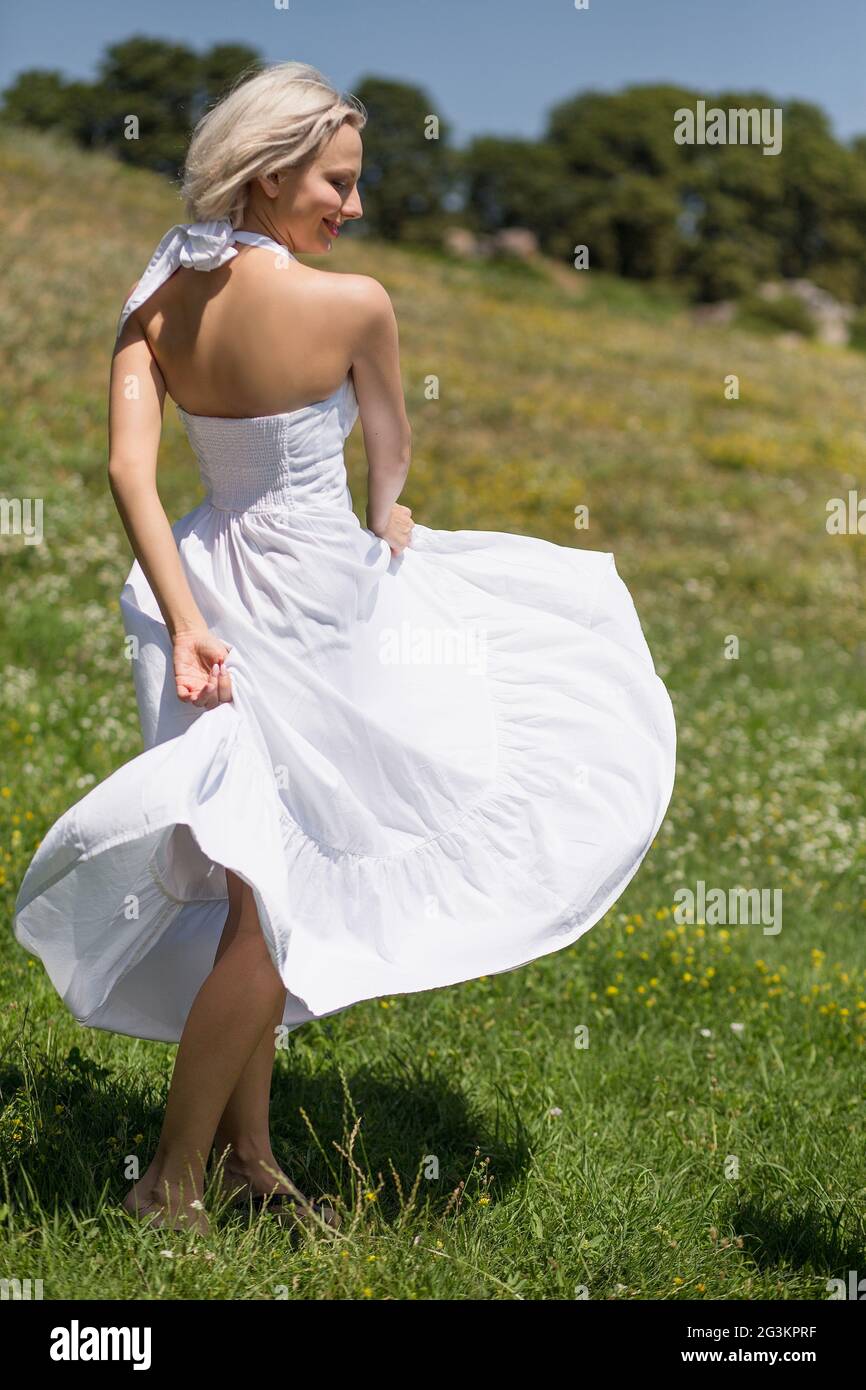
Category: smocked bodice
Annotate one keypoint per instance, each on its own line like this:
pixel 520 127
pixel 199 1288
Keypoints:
pixel 282 462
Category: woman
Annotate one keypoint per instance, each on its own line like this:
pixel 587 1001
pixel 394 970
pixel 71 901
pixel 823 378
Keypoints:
pixel 378 759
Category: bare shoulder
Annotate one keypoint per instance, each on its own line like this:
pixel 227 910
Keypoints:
pixel 357 298
pixel 356 308
pixel 362 292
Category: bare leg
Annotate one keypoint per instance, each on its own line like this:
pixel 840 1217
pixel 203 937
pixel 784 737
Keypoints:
pixel 235 1005
pixel 244 1127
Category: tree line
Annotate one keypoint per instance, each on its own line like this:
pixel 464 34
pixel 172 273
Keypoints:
pixel 611 172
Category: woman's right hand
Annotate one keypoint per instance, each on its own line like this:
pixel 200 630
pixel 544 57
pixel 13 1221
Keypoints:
pixel 200 678
pixel 398 529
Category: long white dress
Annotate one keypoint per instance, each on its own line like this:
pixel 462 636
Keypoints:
pixel 435 766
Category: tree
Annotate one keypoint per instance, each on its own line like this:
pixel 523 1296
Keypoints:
pixel 158 85
pixel 608 172
pixel 143 105
pixel 406 174
pixel 621 165
pixel 516 183
pixel 36 99
pixel 220 69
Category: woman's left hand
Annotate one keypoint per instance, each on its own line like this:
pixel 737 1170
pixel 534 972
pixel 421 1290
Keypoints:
pixel 200 677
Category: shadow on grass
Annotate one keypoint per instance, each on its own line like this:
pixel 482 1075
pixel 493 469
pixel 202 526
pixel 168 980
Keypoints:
pixel 73 1132
pixel 809 1240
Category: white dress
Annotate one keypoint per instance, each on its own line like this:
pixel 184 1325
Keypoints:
pixel 435 766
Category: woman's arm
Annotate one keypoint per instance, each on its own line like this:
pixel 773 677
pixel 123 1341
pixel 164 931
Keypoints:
pixel 382 408
pixel 136 398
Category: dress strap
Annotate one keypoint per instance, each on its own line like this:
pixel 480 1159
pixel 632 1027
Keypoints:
pixel 198 246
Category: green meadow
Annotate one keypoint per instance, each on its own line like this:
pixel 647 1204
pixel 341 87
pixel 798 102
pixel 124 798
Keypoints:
pixel 665 1110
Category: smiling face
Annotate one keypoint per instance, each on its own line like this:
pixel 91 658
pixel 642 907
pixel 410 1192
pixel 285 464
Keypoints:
pixel 304 208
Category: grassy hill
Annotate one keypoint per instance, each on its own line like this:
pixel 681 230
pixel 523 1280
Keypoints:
pixel 554 391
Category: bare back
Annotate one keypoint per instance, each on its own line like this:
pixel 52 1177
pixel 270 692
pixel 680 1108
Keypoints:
pixel 257 336
pixel 260 334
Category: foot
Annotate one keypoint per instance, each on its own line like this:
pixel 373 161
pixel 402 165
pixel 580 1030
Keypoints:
pixel 257 1178
pixel 166 1209
pixel 247 1181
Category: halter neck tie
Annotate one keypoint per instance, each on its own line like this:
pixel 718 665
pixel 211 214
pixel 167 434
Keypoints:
pixel 197 246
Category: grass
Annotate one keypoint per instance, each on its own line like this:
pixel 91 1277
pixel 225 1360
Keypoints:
pixel 707 1142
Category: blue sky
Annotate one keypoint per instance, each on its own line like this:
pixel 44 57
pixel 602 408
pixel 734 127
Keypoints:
pixel 490 65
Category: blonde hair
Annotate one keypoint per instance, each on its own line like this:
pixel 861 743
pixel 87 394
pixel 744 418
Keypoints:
pixel 279 117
